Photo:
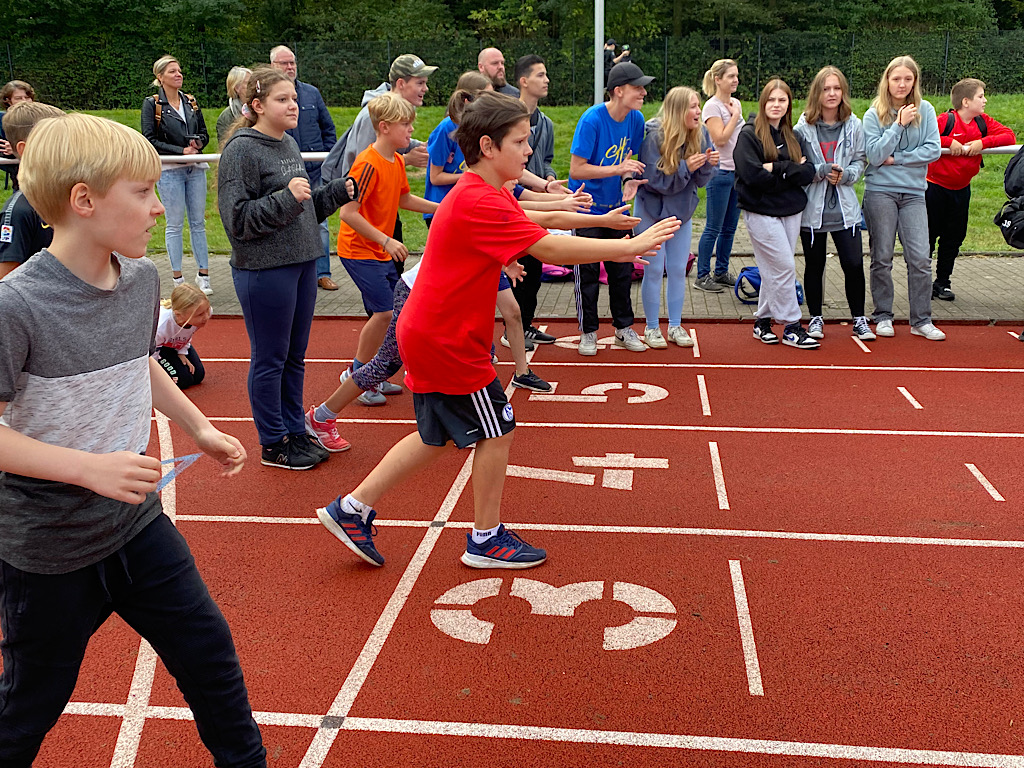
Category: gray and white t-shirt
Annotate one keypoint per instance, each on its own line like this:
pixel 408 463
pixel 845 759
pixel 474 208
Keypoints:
pixel 74 372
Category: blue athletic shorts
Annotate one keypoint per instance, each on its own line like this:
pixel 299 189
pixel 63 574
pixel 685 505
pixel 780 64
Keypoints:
pixel 463 418
pixel 375 281
pixel 503 283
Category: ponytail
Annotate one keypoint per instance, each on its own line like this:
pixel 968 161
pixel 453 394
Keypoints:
pixel 718 70
pixel 261 81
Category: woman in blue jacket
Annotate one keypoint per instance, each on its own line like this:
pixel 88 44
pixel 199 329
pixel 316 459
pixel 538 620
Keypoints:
pixel 678 157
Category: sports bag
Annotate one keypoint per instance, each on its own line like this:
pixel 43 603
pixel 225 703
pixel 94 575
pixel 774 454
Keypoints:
pixel 748 286
pixel 1010 221
pixel 1013 176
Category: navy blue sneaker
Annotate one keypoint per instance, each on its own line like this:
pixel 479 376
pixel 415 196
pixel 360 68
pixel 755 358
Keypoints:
pixel 502 550
pixel 350 530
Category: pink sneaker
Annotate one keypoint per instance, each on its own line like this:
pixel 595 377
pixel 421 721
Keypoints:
pixel 327 433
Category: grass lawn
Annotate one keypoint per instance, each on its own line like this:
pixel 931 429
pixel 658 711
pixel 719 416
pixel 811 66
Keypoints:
pixel 987 188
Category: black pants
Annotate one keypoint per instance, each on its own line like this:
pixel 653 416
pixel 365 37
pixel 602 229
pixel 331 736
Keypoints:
pixel 851 258
pixel 620 279
pixel 948 211
pixel 152 583
pixel 171 362
pixel 526 290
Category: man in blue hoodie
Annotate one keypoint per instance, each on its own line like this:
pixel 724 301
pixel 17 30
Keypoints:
pixel 314 133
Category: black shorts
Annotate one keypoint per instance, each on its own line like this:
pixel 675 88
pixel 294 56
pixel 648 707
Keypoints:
pixel 463 418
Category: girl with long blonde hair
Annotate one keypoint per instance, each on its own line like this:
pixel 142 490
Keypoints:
pixel 901 137
pixel 678 157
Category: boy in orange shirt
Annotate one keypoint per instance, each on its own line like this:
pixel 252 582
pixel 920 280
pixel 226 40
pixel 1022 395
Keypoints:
pixel 366 244
pixel 949 178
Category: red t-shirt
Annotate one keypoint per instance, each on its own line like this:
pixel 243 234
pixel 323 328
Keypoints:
pixel 447 324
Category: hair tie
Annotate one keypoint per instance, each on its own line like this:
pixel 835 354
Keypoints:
pixel 257 86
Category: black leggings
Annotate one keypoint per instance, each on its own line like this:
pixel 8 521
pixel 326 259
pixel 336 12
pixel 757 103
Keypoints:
pixel 171 362
pixel 851 258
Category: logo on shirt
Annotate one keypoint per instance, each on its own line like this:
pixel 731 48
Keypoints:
pixel 506 412
pixel 828 150
pixel 6 233
pixel 616 153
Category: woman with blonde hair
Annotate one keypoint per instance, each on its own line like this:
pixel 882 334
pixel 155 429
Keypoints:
pixel 238 78
pixel 174 124
pixel 678 157
pixel 722 114
pixel 901 137
pixel 833 142
pixel 771 173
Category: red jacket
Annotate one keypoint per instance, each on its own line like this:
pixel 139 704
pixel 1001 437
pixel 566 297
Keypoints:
pixel 956 172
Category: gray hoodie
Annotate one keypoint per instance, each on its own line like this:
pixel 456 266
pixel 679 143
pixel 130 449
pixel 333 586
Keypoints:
pixel 670 195
pixel 266 226
pixel 912 148
pixel 850 155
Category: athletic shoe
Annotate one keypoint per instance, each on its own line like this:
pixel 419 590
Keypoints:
pixel 588 344
pixel 795 336
pixel 679 335
pixel 626 337
pixel 531 381
pixel 929 331
pixel 178 280
pixel 816 328
pixel 725 278
pixel 502 550
pixel 308 443
pixel 526 343
pixel 284 455
pixel 387 388
pixel 203 281
pixel 763 331
pixel 1021 337
pixel 862 330
pixel 350 530
pixel 884 328
pixel 494 355
pixel 538 337
pixel 942 293
pixel 707 283
pixel 326 432
pixel 654 339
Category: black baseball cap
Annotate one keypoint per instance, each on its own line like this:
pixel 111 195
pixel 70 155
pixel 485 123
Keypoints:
pixel 627 73
pixel 611 41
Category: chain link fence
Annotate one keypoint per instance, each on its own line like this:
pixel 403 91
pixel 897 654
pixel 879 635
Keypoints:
pixel 121 72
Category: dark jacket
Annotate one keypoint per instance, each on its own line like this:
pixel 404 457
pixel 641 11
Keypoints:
pixel 169 136
pixel 778 192
pixel 315 131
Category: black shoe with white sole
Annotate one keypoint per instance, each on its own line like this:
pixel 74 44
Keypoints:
pixel 763 331
pixel 538 337
pixel 285 455
pixel 795 336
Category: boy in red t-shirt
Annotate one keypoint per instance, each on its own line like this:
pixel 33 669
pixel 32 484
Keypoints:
pixel 366 244
pixel 447 324
pixel 949 178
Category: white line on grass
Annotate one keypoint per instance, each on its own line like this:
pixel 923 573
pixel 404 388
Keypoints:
pixel 861 344
pixel 910 398
pixel 325 736
pixel 985 483
pixel 739 592
pixel 705 403
pixel 696 344
pixel 716 467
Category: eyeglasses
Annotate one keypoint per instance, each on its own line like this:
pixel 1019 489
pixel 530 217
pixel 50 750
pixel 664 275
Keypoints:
pixel 286 63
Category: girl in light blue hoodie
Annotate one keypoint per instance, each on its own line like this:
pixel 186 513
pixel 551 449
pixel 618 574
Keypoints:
pixel 901 137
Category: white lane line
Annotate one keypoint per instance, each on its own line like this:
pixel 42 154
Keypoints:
pixel 861 344
pixel 292 520
pixel 696 344
pixel 985 483
pixel 739 592
pixel 1014 335
pixel 168 495
pixel 325 735
pixel 705 403
pixel 910 398
pixel 716 467
pixel 554 475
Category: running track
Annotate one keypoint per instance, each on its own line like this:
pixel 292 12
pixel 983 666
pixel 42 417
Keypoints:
pixel 770 557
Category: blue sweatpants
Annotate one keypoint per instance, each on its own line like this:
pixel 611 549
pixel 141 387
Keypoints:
pixel 277 305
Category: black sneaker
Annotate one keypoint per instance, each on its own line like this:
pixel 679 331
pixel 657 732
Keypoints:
pixel 942 293
pixel 531 381
pixel 763 331
pixel 283 454
pixel 311 446
pixel 538 337
pixel 795 336
pixel 527 344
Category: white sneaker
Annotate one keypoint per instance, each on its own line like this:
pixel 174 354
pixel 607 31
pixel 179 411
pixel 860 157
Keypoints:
pixel 654 339
pixel 679 335
pixel 588 344
pixel 929 331
pixel 884 328
pixel 816 328
pixel 626 337
pixel 203 281
pixel 178 281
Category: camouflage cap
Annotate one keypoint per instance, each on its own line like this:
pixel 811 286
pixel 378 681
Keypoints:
pixel 409 65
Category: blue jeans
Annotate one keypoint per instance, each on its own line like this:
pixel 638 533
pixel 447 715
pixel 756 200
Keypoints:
pixel 277 305
pixel 184 189
pixel 671 261
pixel 723 214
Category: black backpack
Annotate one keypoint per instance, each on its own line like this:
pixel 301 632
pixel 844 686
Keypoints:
pixel 1013 177
pixel 1010 221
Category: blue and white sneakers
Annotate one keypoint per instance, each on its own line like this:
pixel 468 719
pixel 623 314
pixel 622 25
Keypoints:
pixel 350 530
pixel 502 550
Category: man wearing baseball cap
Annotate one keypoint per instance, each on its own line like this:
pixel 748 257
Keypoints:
pixel 602 156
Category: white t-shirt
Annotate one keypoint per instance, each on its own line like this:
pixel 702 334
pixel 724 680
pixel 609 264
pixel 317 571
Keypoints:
pixel 170 334
pixel 715 107
pixel 409 276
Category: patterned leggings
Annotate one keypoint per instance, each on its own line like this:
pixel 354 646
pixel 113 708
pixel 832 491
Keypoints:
pixel 387 361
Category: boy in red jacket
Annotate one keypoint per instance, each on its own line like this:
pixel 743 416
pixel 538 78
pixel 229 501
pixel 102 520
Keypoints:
pixel 949 178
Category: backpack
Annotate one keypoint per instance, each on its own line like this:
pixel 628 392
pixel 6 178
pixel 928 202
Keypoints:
pixel 1010 221
pixel 748 286
pixel 978 121
pixel 331 167
pixel 1013 176
pixel 158 109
